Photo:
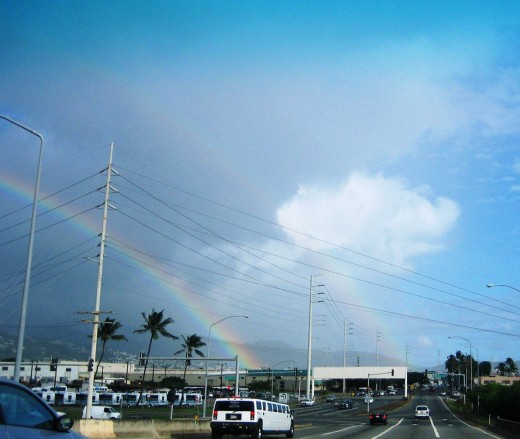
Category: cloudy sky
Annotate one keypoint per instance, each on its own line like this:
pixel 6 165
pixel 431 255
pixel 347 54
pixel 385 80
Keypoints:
pixel 368 149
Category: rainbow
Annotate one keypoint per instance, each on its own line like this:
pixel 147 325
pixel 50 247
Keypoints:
pixel 10 187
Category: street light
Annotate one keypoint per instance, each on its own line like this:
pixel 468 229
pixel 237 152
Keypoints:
pixel 471 360
pixel 272 373
pixel 207 359
pixel 502 285
pixel 25 295
pixel 478 365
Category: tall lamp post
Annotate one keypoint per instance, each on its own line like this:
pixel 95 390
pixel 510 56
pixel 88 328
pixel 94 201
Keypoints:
pixel 272 373
pixel 25 295
pixel 478 365
pixel 207 359
pixel 471 360
pixel 502 285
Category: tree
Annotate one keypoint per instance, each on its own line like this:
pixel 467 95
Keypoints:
pixel 107 331
pixel 191 345
pixel 511 367
pixel 507 367
pixel 451 364
pixel 156 325
pixel 484 368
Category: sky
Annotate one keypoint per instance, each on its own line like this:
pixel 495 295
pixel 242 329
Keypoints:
pixel 349 167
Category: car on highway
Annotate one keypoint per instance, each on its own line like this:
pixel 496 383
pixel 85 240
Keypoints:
pixel 369 399
pixel 331 398
pixel 378 417
pixel 422 412
pixel 252 417
pixel 343 404
pixel 392 392
pixel 23 414
pixel 306 402
pixel 455 394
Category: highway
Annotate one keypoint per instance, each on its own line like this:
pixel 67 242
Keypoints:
pixel 324 421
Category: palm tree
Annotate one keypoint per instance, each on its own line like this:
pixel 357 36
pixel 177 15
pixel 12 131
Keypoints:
pixel 107 331
pixel 191 345
pixel 155 324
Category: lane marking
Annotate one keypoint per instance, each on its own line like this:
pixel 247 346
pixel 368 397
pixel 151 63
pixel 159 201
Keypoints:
pixel 465 423
pixel 434 428
pixel 387 430
pixel 343 429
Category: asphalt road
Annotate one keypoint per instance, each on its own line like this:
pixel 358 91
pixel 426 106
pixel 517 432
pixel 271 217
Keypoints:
pixel 323 420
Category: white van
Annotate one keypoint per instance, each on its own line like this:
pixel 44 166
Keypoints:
pixel 101 412
pixel 249 416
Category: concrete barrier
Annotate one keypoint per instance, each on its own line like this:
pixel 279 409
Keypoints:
pixel 139 428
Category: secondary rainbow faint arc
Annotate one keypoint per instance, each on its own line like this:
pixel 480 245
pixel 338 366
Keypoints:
pixel 16 188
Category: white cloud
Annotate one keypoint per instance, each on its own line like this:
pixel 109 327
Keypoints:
pixel 371 214
pixel 424 341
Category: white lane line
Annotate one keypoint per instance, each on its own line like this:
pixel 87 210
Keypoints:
pixel 343 429
pixel 387 430
pixel 465 423
pixel 434 428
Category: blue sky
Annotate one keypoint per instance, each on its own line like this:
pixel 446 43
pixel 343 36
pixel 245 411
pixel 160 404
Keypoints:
pixel 372 143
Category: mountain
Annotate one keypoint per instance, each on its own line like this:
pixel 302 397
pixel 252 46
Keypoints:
pixel 269 354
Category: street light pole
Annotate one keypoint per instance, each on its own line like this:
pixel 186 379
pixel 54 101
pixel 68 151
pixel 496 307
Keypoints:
pixel 502 285
pixel 207 359
pixel 25 295
pixel 272 373
pixel 471 360
pixel 478 365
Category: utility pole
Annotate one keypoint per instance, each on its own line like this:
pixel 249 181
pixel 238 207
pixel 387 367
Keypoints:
pixel 97 311
pixel 346 331
pixel 378 339
pixel 309 341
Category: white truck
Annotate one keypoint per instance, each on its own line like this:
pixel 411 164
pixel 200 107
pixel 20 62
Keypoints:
pixel 101 412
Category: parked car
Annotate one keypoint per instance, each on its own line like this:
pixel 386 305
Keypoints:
pixel 26 415
pixel 343 404
pixel 378 417
pixel 331 398
pixel 306 402
pixel 422 412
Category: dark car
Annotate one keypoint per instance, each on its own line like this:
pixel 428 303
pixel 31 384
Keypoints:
pixel 343 404
pixel 378 417
pixel 23 414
